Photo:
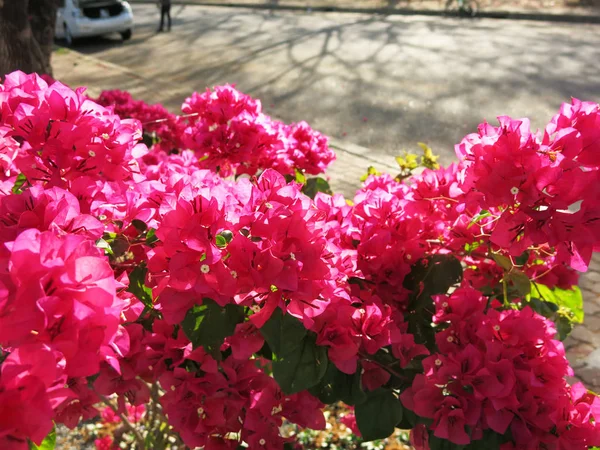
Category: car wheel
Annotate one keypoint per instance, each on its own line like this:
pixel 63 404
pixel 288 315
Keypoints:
pixel 126 35
pixel 68 36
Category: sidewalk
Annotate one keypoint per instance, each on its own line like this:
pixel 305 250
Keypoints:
pixel 75 69
pixel 539 10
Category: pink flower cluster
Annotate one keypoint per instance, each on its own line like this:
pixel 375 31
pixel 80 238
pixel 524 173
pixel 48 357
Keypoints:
pixel 106 247
pixel 233 136
pixel 548 188
pixel 228 132
pixel 157 121
pixel 500 371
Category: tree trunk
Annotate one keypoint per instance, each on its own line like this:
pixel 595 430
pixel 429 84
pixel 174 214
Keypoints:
pixel 42 17
pixel 19 48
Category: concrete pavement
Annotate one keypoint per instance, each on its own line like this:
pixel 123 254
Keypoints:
pixel 382 82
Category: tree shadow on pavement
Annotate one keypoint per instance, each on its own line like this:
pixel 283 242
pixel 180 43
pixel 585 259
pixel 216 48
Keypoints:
pixel 381 81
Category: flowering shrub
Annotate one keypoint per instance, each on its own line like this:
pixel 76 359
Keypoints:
pixel 433 302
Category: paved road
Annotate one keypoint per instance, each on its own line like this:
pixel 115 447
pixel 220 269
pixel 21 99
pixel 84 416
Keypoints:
pixel 381 82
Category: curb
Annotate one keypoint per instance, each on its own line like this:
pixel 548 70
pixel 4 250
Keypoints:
pixel 510 15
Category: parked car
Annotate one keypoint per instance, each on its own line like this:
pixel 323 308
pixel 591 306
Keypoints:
pixel 80 18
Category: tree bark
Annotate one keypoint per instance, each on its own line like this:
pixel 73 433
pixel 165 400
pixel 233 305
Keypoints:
pixel 19 48
pixel 42 18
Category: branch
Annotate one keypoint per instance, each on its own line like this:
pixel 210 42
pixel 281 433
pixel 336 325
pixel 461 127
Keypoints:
pixel 138 436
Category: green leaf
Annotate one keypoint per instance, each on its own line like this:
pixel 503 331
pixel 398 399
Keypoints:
pixel 370 171
pixel 378 415
pixel 314 185
pixel 139 225
pixel 564 326
pixel 300 177
pixel 503 261
pixel 301 368
pixel 298 363
pixel 431 276
pixel 223 238
pixel 48 443
pixel 436 443
pixel 569 301
pixel 522 259
pixel 19 182
pixel 490 441
pixel 220 241
pixel 137 286
pixel 101 243
pixel 151 236
pixel 520 281
pixel 546 309
pixel 482 215
pixel 429 159
pixel 209 324
pixel 336 386
pixel 283 332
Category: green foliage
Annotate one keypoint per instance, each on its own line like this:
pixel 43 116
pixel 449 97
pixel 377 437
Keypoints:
pixel 103 244
pixel 314 185
pixel 283 332
pixel 300 177
pixel 489 441
pixel 411 161
pixel 151 236
pixel 298 362
pixel 482 215
pixel 49 442
pixel 338 386
pixel 429 159
pixel 569 301
pixel 379 414
pixel 208 325
pixel 370 171
pixel 19 184
pixel 564 306
pixel 520 281
pixel 137 286
pixel 139 225
pixel 223 238
pixel 430 276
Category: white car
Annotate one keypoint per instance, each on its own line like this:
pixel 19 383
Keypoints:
pixel 81 18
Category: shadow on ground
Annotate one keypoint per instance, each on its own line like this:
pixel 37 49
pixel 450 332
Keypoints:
pixel 384 82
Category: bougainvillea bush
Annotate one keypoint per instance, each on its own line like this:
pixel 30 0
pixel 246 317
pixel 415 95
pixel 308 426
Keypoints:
pixel 208 273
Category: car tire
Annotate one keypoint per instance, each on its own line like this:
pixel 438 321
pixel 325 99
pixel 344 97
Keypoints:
pixel 126 35
pixel 68 36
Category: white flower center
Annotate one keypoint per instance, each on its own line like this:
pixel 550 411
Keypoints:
pixel 204 268
pixel 514 190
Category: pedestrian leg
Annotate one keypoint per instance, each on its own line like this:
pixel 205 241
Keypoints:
pixel 169 16
pixel 162 18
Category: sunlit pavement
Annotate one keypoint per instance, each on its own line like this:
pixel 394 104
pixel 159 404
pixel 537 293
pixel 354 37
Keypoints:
pixel 381 82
